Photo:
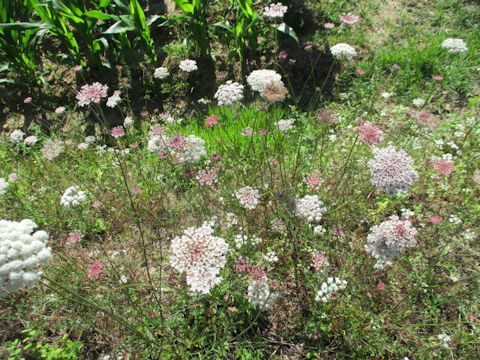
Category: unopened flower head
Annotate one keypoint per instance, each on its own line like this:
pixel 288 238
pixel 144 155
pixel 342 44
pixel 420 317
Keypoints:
pixel 343 51
pixel 16 136
pixel 275 11
pixel 454 46
pixel 161 73
pixel 118 131
pixel 229 93
pixel 92 93
pixel 390 239
pixel 310 208
pixel 73 197
pixel 188 65
pixel 392 169
pixel 52 148
pixel 258 79
pixel 21 253
pixel 201 255
pixel 248 197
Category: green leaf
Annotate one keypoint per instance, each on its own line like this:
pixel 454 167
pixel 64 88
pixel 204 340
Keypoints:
pixel 118 27
pixel 98 15
pixel 104 3
pixel 185 6
pixel 287 30
pixel 23 26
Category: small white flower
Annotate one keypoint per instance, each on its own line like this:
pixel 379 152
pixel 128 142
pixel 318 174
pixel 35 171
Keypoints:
pixel 128 122
pixel 454 46
pixel 188 65
pixel 30 140
pixel 343 51
pixel 386 95
pixel 73 197
pixel 16 136
pixel 229 93
pixel 418 102
pixel 285 125
pixel 161 73
pixel 3 186
pixel 258 79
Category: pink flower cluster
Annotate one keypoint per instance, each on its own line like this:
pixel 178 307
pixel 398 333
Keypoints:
pixel 94 270
pixel 248 197
pixel 92 93
pixel 349 18
pixel 257 273
pixel 390 239
pixel 319 261
pixel 392 169
pixel 201 255
pixel 314 180
pixel 370 134
pixel 208 177
pixel 443 166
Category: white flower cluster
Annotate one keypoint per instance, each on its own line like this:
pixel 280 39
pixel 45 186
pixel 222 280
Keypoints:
pixel 73 197
pixel 329 288
pixel 188 65
pixel 200 255
pixel 258 79
pixel 3 186
pixel 192 151
pixel 454 46
pixel 229 93
pixel 21 253
pixel 16 136
pixel 128 122
pixel 310 208
pixel 161 73
pixel 270 257
pixel 343 51
pixel 114 99
pixel 418 102
pixel 242 239
pixel 285 125
pixel 259 294
pixel 30 140
pixel 444 340
pixel 392 169
pixel 275 11
pixel 248 197
pixel 390 239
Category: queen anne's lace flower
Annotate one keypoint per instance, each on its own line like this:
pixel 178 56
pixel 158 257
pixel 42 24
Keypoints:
pixel 258 79
pixel 229 93
pixel 454 46
pixel 160 73
pixel 201 255
pixel 30 140
pixel 16 136
pixel 114 99
pixel 128 122
pixel 392 169
pixel 248 197
pixel 275 11
pixel 370 134
pixel 343 51
pixel 52 149
pixel 21 253
pixel 390 239
pixel 188 65
pixel 310 208
pixel 259 294
pixel 73 197
pixel 92 93
pixel 285 125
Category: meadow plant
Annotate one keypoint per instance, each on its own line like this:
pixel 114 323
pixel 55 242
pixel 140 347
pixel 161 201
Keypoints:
pixel 343 51
pixel 229 93
pixel 259 79
pixel 454 46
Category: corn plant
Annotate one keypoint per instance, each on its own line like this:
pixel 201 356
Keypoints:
pixel 18 40
pixel 132 20
pixel 61 15
pixel 195 13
